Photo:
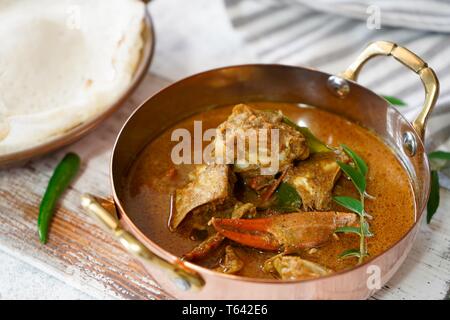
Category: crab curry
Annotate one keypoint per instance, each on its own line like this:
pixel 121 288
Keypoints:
pixel 239 218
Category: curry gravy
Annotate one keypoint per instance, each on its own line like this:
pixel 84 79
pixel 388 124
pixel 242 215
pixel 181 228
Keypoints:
pixel 148 188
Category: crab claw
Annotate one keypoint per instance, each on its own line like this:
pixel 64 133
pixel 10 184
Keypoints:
pixel 287 232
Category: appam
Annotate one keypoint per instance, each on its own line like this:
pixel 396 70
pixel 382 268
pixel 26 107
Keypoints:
pixel 64 66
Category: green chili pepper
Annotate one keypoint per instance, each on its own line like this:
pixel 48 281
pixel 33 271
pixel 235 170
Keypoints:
pixel 60 180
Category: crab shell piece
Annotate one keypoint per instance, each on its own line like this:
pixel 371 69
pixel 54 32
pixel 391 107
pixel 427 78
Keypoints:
pixel 294 268
pixel 287 232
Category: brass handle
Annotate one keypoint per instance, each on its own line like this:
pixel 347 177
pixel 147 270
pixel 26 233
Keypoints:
pixel 413 62
pixel 184 278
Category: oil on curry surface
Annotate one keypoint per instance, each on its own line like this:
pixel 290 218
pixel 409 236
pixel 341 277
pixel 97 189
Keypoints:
pixel 234 220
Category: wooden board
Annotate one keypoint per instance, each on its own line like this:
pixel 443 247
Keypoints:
pixel 83 256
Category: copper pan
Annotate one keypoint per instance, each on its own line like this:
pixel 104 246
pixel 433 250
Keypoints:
pixel 82 129
pixel 230 85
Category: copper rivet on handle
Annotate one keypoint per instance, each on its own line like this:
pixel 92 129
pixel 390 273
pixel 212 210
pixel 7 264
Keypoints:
pixel 338 86
pixel 409 143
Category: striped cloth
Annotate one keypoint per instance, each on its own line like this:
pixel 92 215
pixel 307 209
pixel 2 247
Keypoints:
pixel 328 35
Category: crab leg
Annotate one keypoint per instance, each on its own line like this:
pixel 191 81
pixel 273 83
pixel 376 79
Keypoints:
pixel 250 232
pixel 215 240
pixel 204 248
pixel 266 195
pixel 288 232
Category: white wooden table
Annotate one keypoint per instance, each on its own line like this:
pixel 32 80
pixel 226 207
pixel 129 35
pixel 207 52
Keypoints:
pixel 81 261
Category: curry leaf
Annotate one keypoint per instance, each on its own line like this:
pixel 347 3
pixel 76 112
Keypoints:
pixel 356 173
pixel 287 197
pixel 439 160
pixel 366 230
pixel 443 155
pixel 350 253
pixel 433 201
pixel 357 178
pixel 350 203
pixel 394 101
pixel 314 144
pixel 357 160
pixel 348 230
